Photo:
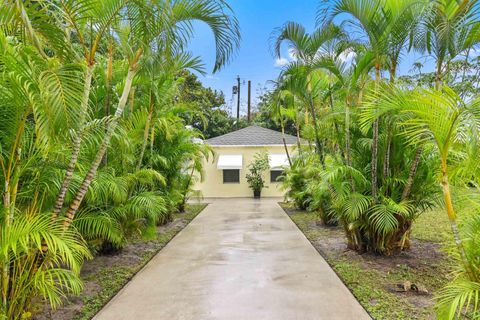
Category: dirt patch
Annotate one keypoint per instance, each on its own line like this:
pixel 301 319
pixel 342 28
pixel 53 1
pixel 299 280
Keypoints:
pixel 373 278
pixel 124 263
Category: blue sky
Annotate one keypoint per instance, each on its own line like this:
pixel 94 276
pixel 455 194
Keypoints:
pixel 254 60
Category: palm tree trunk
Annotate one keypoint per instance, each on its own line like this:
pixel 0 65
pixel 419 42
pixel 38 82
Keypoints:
pixel 297 127
pixel 347 135
pixel 375 139
pixel 453 219
pixel 307 122
pixel 108 78
pixel 76 144
pixel 145 140
pixel 285 142
pixel 393 68
pixel 108 85
pixel 9 196
pixel 74 206
pixel 386 160
pixel 6 202
pixel 374 159
pixel 181 207
pixel 335 126
pixel 438 74
pixel 299 144
pixel 5 264
pixel 132 99
pixel 347 131
pixel 411 175
pixel 318 143
pixel 146 132
pixel 348 159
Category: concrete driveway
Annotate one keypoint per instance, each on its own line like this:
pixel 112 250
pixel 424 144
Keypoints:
pixel 239 259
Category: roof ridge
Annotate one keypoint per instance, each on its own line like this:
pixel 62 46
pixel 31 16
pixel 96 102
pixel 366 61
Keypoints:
pixel 252 135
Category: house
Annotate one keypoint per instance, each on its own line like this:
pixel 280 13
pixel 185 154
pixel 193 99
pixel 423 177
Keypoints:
pixel 225 172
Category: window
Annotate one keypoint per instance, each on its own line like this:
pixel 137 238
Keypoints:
pixel 231 176
pixel 275 174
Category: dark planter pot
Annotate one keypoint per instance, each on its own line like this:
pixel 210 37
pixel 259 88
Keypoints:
pixel 257 194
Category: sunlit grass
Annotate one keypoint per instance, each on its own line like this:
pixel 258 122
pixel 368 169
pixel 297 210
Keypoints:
pixel 432 225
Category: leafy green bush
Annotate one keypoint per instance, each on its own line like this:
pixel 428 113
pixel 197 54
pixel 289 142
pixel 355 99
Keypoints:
pixel 294 181
pixel 256 169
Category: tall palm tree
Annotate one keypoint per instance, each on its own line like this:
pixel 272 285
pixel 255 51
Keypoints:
pixel 448 29
pixel 443 119
pixel 281 102
pixel 53 27
pixel 32 90
pixel 381 22
pixel 308 49
pixel 158 79
pixel 445 30
pixel 172 22
pixel 301 79
pixel 79 17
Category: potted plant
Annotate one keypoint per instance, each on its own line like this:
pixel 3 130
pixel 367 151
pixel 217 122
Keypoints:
pixel 255 176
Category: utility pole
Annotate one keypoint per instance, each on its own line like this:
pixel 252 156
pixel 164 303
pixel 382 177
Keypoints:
pixel 249 114
pixel 238 98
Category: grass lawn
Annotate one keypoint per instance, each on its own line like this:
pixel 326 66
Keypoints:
pixel 105 275
pixel 373 278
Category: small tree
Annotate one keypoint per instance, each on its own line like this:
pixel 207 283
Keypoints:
pixel 255 176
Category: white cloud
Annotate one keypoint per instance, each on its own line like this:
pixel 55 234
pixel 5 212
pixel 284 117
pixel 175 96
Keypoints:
pixel 211 77
pixel 281 62
pixel 292 54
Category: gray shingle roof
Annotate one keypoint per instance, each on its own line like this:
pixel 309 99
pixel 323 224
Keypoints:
pixel 252 136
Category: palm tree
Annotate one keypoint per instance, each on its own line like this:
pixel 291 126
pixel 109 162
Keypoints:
pixel 442 119
pixel 31 90
pixel 460 298
pixel 308 50
pixel 144 30
pixel 78 19
pixel 50 279
pixel 383 24
pixel 158 79
pixel 448 29
pixel 277 108
pixel 178 155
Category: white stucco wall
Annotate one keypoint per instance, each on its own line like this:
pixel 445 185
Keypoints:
pixel 213 186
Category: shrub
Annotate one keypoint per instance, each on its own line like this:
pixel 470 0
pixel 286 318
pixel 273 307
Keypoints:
pixel 256 169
